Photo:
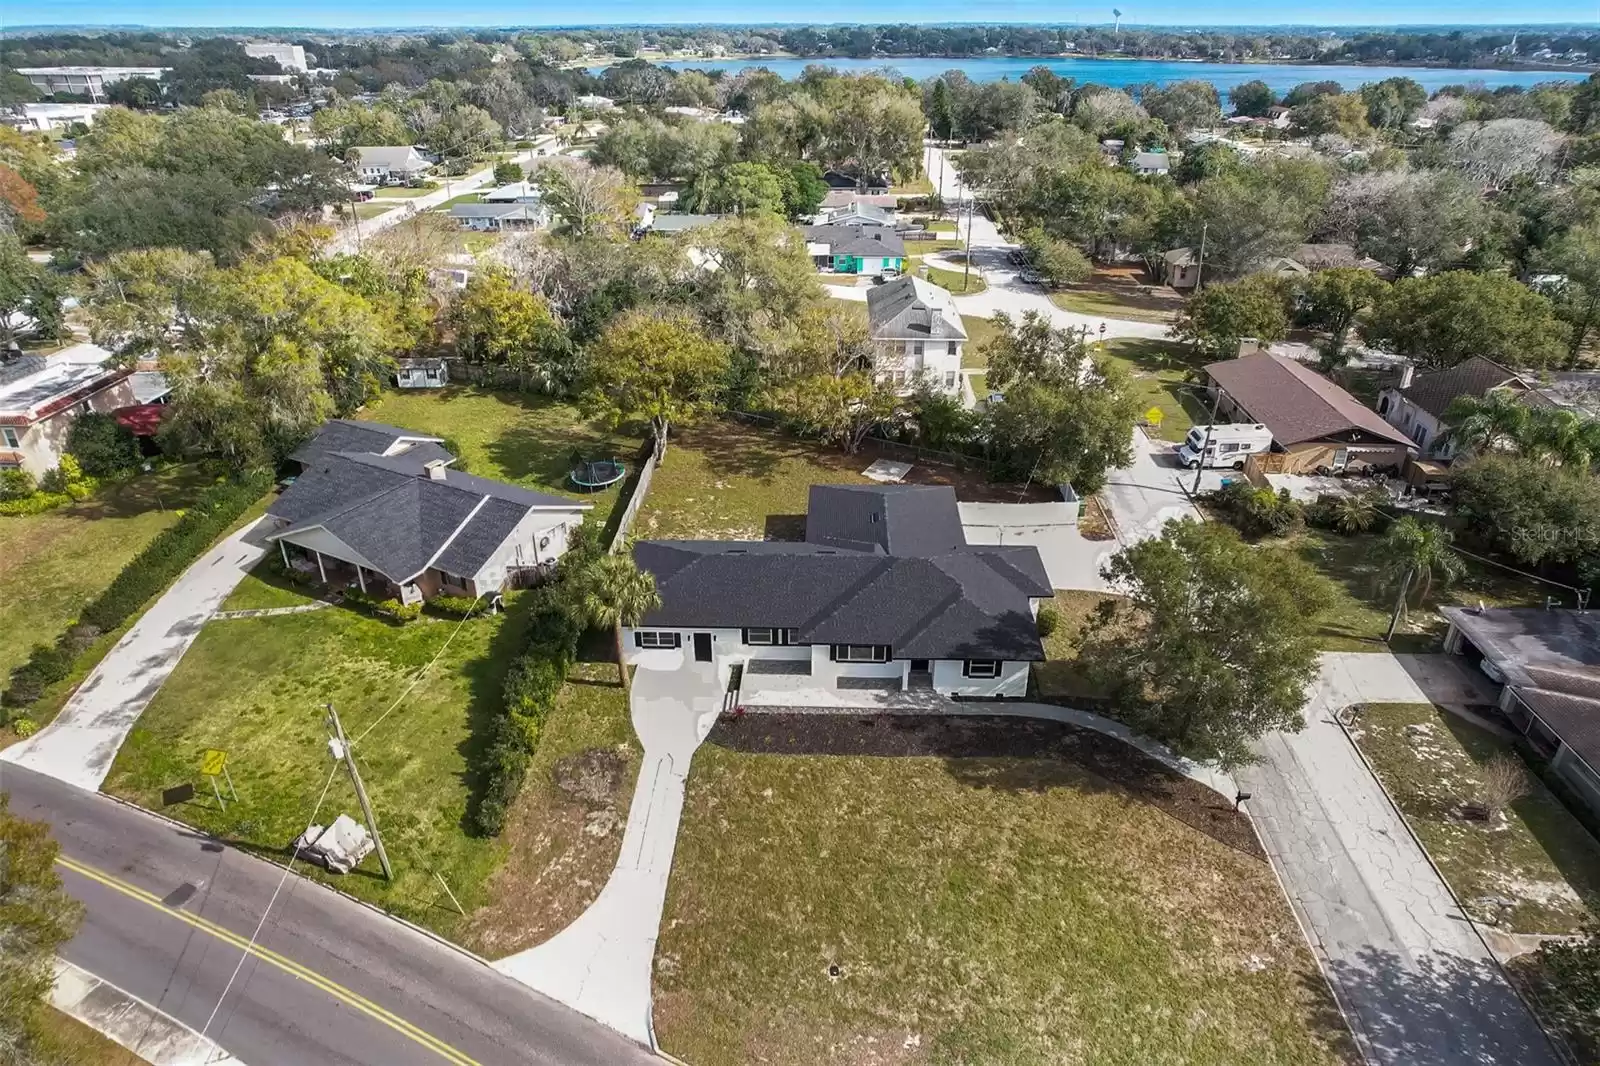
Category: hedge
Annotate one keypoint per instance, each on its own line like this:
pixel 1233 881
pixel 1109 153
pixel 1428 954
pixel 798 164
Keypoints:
pixel 457 606
pixel 38 503
pixel 391 609
pixel 146 574
pixel 532 686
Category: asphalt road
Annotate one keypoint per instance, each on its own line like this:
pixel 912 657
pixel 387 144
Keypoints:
pixel 169 912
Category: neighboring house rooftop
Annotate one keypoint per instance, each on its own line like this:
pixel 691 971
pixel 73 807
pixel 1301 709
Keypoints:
pixel 406 512
pixel 517 190
pixel 1296 402
pixel 868 240
pixel 665 223
pixel 1327 256
pixel 913 309
pixel 1551 659
pixel 390 156
pixel 1152 161
pixel 512 212
pixel 1180 257
pixel 882 216
pixel 34 387
pixel 348 435
pixel 881 564
pixel 1475 377
pixel 838 179
pixel 845 197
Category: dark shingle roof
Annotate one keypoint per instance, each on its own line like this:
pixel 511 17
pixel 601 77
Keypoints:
pixel 346 435
pixel 911 307
pixel 890 519
pixel 390 511
pixel 857 240
pixel 908 580
pixel 1296 402
pixel 1475 377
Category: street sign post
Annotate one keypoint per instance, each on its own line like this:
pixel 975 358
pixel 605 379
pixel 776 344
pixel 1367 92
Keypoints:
pixel 212 764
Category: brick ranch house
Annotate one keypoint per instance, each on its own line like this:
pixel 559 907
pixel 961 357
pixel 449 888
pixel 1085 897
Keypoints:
pixel 379 508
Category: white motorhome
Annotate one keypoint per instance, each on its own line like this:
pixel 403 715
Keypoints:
pixel 1224 445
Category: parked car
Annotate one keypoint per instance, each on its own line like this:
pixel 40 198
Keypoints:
pixel 1032 277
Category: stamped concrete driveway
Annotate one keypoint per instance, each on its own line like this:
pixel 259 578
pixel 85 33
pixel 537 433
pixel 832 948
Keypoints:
pixel 1416 983
pixel 80 744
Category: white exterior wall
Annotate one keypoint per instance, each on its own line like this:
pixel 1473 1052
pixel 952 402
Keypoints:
pixel 1415 423
pixel 728 649
pixel 936 361
pixel 41 444
pixel 1013 680
pixel 521 548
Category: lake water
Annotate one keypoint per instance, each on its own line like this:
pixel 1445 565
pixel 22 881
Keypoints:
pixel 1120 72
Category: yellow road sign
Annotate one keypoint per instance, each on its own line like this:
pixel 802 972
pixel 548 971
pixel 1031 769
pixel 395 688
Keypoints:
pixel 213 762
pixel 1153 416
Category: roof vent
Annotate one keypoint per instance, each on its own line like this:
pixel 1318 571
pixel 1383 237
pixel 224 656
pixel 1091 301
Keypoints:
pixel 435 469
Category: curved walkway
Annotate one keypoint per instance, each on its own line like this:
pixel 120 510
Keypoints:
pixel 601 964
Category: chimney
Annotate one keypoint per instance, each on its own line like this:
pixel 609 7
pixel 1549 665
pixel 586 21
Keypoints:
pixel 435 470
pixel 877 236
pixel 1407 372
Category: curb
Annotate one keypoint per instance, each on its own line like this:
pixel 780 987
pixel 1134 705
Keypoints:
pixel 130 1022
pixel 1557 1047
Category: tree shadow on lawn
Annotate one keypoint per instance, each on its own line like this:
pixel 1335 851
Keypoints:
pixel 1000 753
pixel 735 450
pixel 162 490
pixel 547 456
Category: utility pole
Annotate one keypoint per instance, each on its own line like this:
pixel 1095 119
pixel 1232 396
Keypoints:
pixel 1200 464
pixel 1201 265
pixel 340 747
pixel 1399 606
pixel 966 260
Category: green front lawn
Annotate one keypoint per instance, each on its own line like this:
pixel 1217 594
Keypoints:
pixel 52 564
pixel 1103 304
pixel 400 192
pixel 921 248
pixel 510 436
pixel 1537 854
pixel 1360 613
pixel 993 910
pixel 256 688
pixel 956 281
pixel 1060 678
pixel 980 331
pixel 918 186
pixel 464 198
pixel 64 1039
pixel 1160 370
pixel 373 209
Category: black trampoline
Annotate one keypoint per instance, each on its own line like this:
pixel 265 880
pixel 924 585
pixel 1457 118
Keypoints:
pixel 595 474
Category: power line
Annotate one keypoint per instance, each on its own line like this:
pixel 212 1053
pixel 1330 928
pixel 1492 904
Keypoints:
pixel 423 672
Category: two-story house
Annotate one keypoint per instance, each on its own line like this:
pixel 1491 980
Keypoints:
pixel 917 335
pixel 389 164
pixel 1416 404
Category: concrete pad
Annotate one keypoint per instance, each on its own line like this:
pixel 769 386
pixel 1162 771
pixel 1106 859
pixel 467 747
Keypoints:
pixel 887 471
pixel 1071 560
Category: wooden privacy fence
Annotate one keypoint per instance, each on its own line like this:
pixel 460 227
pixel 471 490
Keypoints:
pixel 634 490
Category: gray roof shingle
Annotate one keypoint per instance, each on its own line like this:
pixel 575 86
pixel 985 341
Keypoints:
pixel 908 579
pixel 348 435
pixel 867 239
pixel 910 308
pixel 1474 377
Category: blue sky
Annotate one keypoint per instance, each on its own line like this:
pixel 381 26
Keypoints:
pixel 379 13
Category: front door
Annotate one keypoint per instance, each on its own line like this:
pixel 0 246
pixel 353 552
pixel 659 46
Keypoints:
pixel 919 666
pixel 702 647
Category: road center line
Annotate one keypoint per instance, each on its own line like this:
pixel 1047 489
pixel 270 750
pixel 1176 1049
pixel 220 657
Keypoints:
pixel 272 958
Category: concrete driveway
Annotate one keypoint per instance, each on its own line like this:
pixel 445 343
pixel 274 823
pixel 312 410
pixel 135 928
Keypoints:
pixel 79 746
pixel 1071 560
pixel 1418 986
pixel 601 964
pixel 1147 494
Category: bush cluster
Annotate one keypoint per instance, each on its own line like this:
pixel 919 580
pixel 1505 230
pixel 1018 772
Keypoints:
pixel 387 608
pixel 458 606
pixel 1049 620
pixel 1258 512
pixel 20 495
pixel 146 574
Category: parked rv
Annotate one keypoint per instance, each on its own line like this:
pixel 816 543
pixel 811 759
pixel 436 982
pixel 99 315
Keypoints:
pixel 1224 445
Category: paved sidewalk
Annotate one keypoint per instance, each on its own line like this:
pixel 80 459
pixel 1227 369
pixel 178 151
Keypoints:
pixel 153 1035
pixel 1416 982
pixel 1146 494
pixel 601 964
pixel 79 746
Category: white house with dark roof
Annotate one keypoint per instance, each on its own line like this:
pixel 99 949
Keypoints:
pixel 379 508
pixel 883 594
pixel 1417 403
pixel 917 335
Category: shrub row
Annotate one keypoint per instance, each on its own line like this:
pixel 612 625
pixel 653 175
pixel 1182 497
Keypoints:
pixel 532 686
pixel 459 606
pixel 1258 512
pixel 146 574
pixel 38 503
pixel 389 609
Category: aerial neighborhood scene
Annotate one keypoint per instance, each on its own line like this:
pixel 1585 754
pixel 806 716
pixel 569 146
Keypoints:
pixel 802 535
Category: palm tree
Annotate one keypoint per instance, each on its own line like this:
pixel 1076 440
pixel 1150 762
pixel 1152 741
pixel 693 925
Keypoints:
pixel 1414 551
pixel 1481 423
pixel 1562 438
pixel 616 593
pixel 1356 513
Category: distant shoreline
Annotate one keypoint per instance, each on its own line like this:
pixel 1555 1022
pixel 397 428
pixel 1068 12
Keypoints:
pixel 755 59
